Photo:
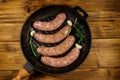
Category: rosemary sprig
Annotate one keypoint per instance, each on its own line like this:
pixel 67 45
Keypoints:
pixel 33 49
pixel 79 33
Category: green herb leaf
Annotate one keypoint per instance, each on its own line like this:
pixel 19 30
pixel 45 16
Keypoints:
pixel 33 49
pixel 79 33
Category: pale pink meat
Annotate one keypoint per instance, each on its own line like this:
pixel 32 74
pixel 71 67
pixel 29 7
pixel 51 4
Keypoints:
pixel 63 61
pixel 57 50
pixel 53 38
pixel 51 25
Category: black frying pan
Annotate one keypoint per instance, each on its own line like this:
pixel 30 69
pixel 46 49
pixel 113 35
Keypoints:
pixel 34 63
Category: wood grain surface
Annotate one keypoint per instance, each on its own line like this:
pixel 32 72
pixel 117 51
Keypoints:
pixel 103 62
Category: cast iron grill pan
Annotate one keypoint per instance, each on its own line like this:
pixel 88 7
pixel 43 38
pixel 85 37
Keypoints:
pixel 47 14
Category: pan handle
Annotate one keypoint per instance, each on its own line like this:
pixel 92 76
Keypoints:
pixel 28 67
pixel 85 15
pixel 24 72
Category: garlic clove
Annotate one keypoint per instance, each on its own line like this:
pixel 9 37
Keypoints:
pixel 78 46
pixel 32 33
pixel 69 22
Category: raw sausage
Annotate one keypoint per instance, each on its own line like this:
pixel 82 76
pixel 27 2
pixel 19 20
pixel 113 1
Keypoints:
pixel 53 38
pixel 57 50
pixel 63 61
pixel 52 25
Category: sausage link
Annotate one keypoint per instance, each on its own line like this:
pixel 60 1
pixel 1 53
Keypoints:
pixel 53 38
pixel 63 61
pixel 57 50
pixel 51 25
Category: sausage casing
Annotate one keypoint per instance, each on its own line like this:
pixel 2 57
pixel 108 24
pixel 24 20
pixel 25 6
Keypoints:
pixel 53 38
pixel 51 25
pixel 57 50
pixel 62 61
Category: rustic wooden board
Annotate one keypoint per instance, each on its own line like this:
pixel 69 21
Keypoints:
pixel 103 23
pixel 81 74
pixel 103 62
pixel 109 52
pixel 7 75
pixel 114 73
pixel 105 29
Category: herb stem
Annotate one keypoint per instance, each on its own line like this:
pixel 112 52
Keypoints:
pixel 79 33
pixel 32 48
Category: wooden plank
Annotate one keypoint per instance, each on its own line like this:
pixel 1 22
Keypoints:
pixel 114 73
pixel 11 57
pixel 8 75
pixel 14 12
pixel 10 32
pixel 81 74
pixel 12 47
pixel 109 52
pixel 11 61
pixel 104 29
pixel 103 23
pixel 33 5
pixel 88 5
pixel 103 16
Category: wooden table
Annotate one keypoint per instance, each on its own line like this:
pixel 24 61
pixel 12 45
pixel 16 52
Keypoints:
pixel 103 62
